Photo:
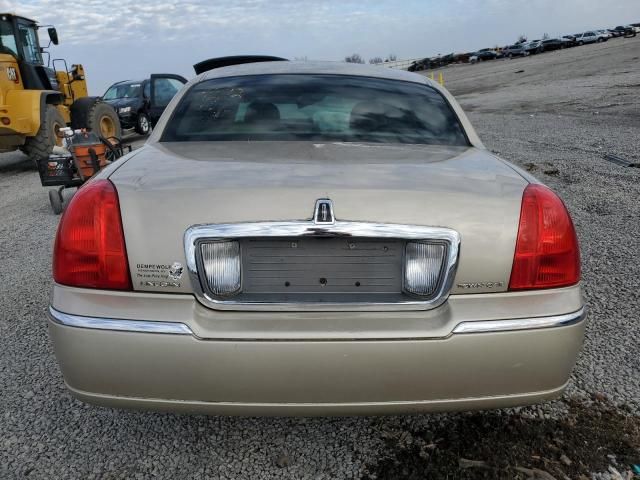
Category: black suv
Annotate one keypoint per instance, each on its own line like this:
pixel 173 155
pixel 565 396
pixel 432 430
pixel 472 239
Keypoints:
pixel 131 100
pixel 623 31
pixel 486 54
pixel 552 44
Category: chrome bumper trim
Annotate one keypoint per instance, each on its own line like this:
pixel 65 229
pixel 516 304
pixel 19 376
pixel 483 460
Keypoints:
pixel 522 323
pixel 177 328
pixel 197 234
pixel 122 325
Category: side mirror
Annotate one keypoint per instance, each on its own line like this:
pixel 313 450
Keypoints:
pixel 53 35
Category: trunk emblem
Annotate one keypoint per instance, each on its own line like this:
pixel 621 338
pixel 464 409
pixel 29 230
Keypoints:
pixel 323 214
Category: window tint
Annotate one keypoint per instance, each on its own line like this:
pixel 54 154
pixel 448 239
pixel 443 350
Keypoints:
pixel 7 40
pixel 28 39
pixel 164 90
pixel 314 107
pixel 122 90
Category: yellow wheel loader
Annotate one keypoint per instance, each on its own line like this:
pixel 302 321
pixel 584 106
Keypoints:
pixel 36 100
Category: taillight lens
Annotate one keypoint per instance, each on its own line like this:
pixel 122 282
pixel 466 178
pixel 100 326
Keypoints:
pixel 90 251
pixel 547 253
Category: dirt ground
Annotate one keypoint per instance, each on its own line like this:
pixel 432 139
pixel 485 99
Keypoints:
pixel 557 115
pixel 495 446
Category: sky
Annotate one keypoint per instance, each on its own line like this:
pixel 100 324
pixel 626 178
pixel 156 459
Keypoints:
pixel 130 39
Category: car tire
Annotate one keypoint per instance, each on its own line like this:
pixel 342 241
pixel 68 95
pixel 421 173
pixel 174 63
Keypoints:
pixel 580 43
pixel 55 198
pixel 600 40
pixel 41 145
pixel 143 124
pixel 96 116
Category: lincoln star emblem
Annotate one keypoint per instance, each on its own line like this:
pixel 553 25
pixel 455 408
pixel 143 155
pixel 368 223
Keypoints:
pixel 324 212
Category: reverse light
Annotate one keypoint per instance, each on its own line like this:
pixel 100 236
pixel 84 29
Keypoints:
pixel 423 264
pixel 90 251
pixel 221 261
pixel 547 254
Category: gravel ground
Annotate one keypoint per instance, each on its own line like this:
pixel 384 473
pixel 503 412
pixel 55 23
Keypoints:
pixel 555 119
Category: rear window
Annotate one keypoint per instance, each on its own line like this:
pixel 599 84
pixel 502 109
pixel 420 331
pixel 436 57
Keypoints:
pixel 315 108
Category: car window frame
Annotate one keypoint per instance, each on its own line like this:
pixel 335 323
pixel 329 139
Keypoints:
pixel 453 111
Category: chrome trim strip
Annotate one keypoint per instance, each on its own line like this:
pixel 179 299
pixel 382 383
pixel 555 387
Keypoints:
pixel 121 325
pixel 534 323
pixel 307 228
pixel 176 328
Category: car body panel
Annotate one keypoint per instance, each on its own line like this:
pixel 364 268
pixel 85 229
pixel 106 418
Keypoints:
pixel 274 325
pixel 326 377
pixel 158 347
pixel 228 182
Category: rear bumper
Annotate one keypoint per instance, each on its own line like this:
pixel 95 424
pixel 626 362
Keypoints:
pixel 487 364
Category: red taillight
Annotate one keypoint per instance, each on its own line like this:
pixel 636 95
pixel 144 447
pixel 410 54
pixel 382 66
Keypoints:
pixel 547 253
pixel 90 251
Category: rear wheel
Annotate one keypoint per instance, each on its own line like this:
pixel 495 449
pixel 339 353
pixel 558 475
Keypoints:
pixel 600 40
pixel 41 145
pixel 143 125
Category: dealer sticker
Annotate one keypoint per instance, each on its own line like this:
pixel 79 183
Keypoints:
pixel 159 274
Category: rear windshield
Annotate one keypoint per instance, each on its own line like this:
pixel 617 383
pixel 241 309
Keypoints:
pixel 315 108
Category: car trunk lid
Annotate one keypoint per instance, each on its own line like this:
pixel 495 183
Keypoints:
pixel 169 187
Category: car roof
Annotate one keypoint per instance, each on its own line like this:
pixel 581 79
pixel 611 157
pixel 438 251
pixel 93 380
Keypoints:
pixel 311 68
pixel 126 82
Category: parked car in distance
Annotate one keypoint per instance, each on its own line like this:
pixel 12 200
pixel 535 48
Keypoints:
pixel 605 34
pixel 592 36
pixel 624 31
pixel 518 50
pixel 636 27
pixel 533 47
pixel 552 44
pixel 485 54
pixel 132 100
pixel 305 238
pixel 569 41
